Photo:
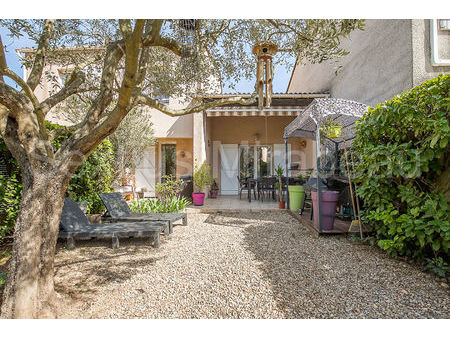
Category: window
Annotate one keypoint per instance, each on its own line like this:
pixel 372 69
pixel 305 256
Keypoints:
pixel 246 161
pixel 444 24
pixel 255 161
pixel 264 160
pixel 168 160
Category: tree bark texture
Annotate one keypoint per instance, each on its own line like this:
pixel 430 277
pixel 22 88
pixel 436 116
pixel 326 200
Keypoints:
pixel 29 291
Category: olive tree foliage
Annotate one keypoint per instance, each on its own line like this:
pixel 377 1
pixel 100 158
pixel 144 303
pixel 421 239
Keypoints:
pixel 115 66
pixel 131 138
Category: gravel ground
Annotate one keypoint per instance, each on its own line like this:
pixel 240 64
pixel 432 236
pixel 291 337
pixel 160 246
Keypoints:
pixel 243 265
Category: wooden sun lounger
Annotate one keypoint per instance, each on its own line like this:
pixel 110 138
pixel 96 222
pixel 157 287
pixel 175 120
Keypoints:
pixel 75 225
pixel 119 211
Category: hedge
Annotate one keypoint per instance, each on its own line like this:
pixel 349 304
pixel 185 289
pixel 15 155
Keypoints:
pixel 402 172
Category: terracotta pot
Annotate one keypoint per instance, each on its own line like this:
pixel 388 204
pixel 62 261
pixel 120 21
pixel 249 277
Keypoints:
pixel 129 197
pixel 281 205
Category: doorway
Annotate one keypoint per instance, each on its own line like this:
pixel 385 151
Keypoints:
pixel 255 161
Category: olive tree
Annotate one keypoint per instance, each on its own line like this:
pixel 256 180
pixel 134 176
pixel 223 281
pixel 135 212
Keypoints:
pixel 117 65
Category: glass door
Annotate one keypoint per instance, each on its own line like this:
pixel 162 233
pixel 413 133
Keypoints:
pixel 255 161
pixel 246 161
pixel 264 160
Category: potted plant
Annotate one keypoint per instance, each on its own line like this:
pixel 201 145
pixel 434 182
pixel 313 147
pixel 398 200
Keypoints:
pixel 214 190
pixel 279 171
pixel 202 179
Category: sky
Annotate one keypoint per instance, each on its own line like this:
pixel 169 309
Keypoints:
pixel 11 57
pixel 280 80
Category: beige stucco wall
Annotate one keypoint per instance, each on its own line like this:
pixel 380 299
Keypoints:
pixel 422 67
pixel 377 68
pixel 167 126
pixel 386 59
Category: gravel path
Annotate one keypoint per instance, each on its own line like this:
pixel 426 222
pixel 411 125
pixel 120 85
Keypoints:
pixel 243 265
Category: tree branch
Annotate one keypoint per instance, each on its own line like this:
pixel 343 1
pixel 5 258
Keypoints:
pixel 27 90
pixel 125 28
pixel 13 100
pixel 2 58
pixel 150 102
pixel 39 58
pixel 292 29
pixel 86 138
pixel 71 88
pixel 149 38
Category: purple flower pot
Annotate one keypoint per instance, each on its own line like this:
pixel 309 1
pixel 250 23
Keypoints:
pixel 328 208
pixel 198 198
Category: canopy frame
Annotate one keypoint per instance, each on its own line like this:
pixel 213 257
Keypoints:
pixel 308 125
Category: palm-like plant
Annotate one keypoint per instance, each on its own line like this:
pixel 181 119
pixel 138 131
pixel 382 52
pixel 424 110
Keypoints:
pixel 279 171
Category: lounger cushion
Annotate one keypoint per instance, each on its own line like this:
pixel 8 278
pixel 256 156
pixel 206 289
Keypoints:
pixel 115 204
pixel 72 218
pixel 74 223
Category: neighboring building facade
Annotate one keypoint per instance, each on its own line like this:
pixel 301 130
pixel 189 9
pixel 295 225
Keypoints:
pixel 386 59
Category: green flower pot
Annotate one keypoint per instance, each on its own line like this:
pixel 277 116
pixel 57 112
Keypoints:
pixel 296 197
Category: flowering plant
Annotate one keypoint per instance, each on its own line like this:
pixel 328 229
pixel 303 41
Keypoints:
pixel 169 188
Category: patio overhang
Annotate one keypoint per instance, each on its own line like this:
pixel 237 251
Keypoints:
pixel 252 111
pixel 283 104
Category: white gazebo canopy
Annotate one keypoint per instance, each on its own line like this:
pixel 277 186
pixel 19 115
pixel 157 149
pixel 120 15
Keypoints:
pixel 342 112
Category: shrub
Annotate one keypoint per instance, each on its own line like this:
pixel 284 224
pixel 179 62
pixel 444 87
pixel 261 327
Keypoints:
pixel 171 187
pixel 95 175
pixel 10 196
pixel 402 171
pixel 169 205
pixel 10 192
pixel 202 176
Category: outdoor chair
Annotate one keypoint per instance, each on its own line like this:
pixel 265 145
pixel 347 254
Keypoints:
pixel 245 185
pixel 266 185
pixel 119 211
pixel 74 225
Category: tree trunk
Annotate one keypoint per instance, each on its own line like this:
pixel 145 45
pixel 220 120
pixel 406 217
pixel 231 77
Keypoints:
pixel 29 292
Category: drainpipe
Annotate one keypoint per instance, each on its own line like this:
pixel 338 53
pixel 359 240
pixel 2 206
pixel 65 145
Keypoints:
pixel 435 60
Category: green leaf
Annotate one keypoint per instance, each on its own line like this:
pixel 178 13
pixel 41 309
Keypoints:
pixel 436 244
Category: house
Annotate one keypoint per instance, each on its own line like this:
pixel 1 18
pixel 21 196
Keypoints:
pixel 245 141
pixel 234 140
pixel 389 57
pixel 386 59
